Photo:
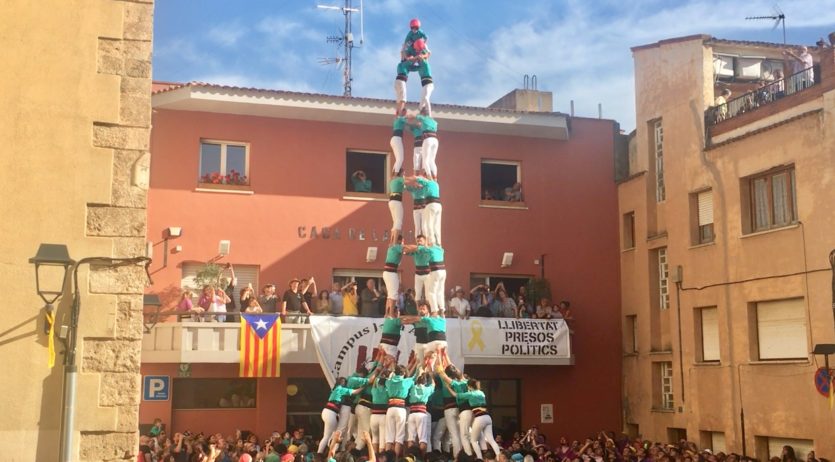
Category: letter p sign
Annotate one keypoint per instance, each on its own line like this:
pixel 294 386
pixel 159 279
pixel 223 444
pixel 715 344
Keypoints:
pixel 156 387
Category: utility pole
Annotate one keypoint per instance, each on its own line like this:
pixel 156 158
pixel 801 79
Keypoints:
pixel 347 42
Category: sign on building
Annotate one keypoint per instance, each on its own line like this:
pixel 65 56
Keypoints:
pixel 156 388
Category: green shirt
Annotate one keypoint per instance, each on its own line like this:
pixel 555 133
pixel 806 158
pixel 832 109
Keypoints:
pixel 427 124
pixel 338 392
pixel 396 185
pixel 417 193
pixel 460 387
pixel 379 394
pixel 391 326
pixel 394 254
pixel 476 398
pixel 361 185
pixel 398 125
pixel 421 256
pixel 431 187
pixel 436 254
pixel 416 130
pixel 398 386
pixel 420 394
pixel 356 381
pixel 434 324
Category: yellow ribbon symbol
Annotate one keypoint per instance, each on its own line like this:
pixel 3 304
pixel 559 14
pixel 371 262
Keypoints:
pixel 475 339
pixel 50 318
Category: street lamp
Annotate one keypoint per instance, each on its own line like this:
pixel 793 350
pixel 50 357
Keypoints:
pixel 51 255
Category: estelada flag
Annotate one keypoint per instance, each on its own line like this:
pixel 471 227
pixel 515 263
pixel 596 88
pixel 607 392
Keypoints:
pixel 260 345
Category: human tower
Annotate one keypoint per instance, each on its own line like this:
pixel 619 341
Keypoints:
pixel 429 401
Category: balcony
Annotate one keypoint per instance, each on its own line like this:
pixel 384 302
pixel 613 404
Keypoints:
pixel 771 102
pixel 217 342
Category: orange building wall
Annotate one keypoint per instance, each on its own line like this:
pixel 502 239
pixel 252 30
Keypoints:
pixel 298 176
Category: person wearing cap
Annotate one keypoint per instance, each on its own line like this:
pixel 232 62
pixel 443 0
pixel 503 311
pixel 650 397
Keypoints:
pixel 293 302
pixel 429 136
pixel 414 56
pixel 432 211
pixel 335 411
pixel 419 420
pixel 421 255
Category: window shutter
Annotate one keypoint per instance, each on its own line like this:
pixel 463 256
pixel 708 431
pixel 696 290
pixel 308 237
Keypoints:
pixel 246 274
pixel 717 442
pixel 710 334
pixel 705 199
pixel 189 272
pixel 781 329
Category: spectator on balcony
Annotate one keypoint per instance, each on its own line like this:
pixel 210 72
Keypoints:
pixel 409 305
pixel 336 299
pixel 369 298
pixel 513 193
pixel 349 300
pixel 268 300
pixel 247 294
pixel 323 303
pixel 309 292
pixel 293 303
pixel 459 306
pixel 360 182
pixel 722 105
pixel 252 306
pixel 185 303
pixel 523 308
pixel 481 299
pixel 544 310
pixel 801 62
pixel 564 309
pixel 778 88
pixel 229 290
pixel 503 306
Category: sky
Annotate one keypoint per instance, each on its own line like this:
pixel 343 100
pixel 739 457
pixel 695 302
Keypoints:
pixel 481 49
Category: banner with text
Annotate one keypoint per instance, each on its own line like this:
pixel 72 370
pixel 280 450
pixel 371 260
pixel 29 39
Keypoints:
pixel 344 343
pixel 498 338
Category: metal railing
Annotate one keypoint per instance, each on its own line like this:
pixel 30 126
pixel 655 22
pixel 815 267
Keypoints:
pixel 762 96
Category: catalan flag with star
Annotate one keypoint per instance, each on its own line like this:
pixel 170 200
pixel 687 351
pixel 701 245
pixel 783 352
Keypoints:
pixel 260 345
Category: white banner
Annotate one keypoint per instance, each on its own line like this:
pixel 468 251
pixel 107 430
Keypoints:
pixel 344 343
pixel 497 338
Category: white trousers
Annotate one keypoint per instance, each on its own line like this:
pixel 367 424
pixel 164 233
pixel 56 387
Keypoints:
pixel 396 143
pixel 363 414
pixel 431 222
pixel 344 423
pixel 451 418
pixel 330 419
pixel 417 215
pixel 420 283
pixel 392 282
pixel 420 427
pixel 400 90
pixel 395 425
pixel 378 431
pixel 435 290
pixel 417 158
pixel 396 209
pixel 430 152
pixel 424 97
pixel 483 425
pixel 438 432
pixel 465 419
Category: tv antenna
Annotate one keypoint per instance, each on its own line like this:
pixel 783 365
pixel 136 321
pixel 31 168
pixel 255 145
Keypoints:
pixel 346 40
pixel 778 17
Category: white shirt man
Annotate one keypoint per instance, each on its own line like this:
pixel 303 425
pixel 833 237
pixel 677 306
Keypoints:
pixel 459 306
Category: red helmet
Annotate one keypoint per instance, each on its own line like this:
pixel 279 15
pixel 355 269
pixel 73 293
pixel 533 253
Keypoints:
pixel 414 23
pixel 419 45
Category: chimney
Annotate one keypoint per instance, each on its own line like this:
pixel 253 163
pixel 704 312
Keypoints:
pixel 526 100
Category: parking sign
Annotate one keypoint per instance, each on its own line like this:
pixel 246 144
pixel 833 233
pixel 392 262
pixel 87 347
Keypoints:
pixel 156 388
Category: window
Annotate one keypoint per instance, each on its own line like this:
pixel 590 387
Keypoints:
pixel 304 404
pixel 629 230
pixel 663 279
pixel 366 172
pixel 773 202
pixel 715 441
pixel 224 163
pixel 666 373
pixel 781 329
pixel 631 334
pixel 703 208
pixel 707 334
pixel 658 150
pixel 504 405
pixel 191 393
pixel 775 446
pixel 501 181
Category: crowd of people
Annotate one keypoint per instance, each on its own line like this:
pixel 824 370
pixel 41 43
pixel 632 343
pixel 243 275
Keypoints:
pixel 525 446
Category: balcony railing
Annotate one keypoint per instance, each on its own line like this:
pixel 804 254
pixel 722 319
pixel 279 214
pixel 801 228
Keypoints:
pixel 762 96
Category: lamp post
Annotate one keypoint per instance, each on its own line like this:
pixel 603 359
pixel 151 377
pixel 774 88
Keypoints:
pixel 54 255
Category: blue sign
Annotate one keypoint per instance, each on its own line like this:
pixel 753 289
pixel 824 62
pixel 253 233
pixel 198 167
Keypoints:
pixel 156 388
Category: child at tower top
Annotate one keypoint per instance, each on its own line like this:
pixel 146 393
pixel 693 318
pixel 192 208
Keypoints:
pixel 414 56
